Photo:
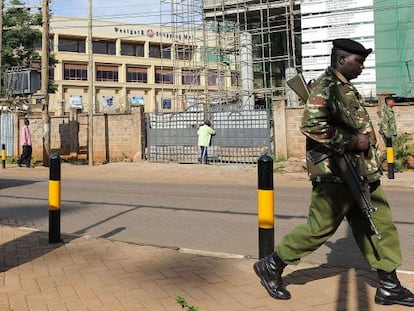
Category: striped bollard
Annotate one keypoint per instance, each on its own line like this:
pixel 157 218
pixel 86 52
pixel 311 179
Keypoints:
pixel 54 199
pixel 3 155
pixel 390 158
pixel 265 203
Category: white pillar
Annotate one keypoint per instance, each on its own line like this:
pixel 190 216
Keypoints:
pixel 291 97
pixel 246 70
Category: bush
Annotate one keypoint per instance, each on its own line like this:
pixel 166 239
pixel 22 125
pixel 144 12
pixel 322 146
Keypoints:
pixel 403 147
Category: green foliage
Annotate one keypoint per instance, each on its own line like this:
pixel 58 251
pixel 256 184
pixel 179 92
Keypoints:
pixel 21 30
pixel 34 162
pixel 12 160
pixel 278 158
pixel 410 149
pixel 184 305
pixel 22 37
pixel 403 147
pixel 402 144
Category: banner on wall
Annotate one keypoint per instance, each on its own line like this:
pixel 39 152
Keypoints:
pixel 76 101
pixel 137 101
pixel 108 104
pixel 166 103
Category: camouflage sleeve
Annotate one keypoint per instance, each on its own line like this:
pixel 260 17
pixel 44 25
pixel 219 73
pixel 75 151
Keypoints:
pixel 393 125
pixel 387 122
pixel 319 124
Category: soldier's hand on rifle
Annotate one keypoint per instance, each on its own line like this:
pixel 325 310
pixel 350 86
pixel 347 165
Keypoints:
pixel 362 143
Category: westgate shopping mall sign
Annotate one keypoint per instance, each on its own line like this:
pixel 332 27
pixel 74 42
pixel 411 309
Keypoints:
pixel 151 33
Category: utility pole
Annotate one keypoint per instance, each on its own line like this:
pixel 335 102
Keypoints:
pixel 1 40
pixel 292 31
pixel 91 92
pixel 45 82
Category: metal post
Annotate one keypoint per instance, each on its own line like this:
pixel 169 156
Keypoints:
pixel 390 158
pixel 45 82
pixel 54 199
pixel 3 153
pixel 91 91
pixel 265 206
pixel 1 39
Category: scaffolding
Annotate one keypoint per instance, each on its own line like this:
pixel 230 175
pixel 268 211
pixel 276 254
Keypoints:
pixel 231 51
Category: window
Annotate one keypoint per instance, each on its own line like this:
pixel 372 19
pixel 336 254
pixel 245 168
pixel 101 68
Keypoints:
pixel 137 74
pixel 183 52
pixel 190 77
pixel 75 72
pixel 130 49
pixel 160 51
pixel 106 73
pixel 213 79
pixel 103 47
pixel 76 45
pixel 164 75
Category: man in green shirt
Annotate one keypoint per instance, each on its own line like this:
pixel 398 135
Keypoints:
pixel 335 122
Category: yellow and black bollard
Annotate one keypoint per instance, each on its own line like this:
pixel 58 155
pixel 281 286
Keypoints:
pixel 265 202
pixel 390 158
pixel 54 199
pixel 3 155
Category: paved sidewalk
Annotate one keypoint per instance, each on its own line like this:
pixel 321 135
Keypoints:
pixel 99 274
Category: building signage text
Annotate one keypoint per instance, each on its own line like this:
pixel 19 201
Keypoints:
pixel 151 33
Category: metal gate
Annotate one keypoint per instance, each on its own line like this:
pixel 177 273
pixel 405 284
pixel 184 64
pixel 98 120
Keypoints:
pixel 242 135
pixel 7 132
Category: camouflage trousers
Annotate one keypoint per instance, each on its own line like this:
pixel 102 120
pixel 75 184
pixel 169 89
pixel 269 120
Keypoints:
pixel 330 204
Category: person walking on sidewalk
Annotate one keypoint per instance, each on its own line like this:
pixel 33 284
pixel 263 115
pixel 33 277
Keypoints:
pixel 335 120
pixel 204 133
pixel 26 141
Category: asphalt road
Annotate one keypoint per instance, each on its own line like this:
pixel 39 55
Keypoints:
pixel 203 216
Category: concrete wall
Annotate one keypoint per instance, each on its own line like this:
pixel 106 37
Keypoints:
pixel 116 136
pixel 290 142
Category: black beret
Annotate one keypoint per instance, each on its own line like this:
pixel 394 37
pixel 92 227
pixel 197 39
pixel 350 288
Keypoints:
pixel 351 46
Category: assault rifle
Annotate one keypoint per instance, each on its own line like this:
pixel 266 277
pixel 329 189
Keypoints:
pixel 359 188
pixel 357 185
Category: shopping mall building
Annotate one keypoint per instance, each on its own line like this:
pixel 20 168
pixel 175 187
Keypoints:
pixel 161 68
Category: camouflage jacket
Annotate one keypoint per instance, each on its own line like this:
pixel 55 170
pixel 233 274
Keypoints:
pixel 333 116
pixel 387 125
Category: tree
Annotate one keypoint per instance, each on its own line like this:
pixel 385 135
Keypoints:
pixel 22 39
pixel 21 31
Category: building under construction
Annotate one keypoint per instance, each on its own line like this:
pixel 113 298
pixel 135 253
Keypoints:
pixel 231 59
pixel 245 49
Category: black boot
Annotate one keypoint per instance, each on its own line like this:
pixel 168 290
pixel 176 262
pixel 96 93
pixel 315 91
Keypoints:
pixel 269 270
pixel 391 292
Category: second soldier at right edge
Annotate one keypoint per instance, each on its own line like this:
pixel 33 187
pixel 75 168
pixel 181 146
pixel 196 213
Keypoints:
pixel 335 122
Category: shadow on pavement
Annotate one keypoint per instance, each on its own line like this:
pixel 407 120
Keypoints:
pixel 11 183
pixel 26 248
pixel 342 260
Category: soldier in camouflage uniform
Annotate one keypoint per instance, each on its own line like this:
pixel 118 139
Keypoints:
pixel 387 124
pixel 335 121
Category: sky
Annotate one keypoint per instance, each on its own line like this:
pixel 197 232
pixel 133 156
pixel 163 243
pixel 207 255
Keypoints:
pixel 128 11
